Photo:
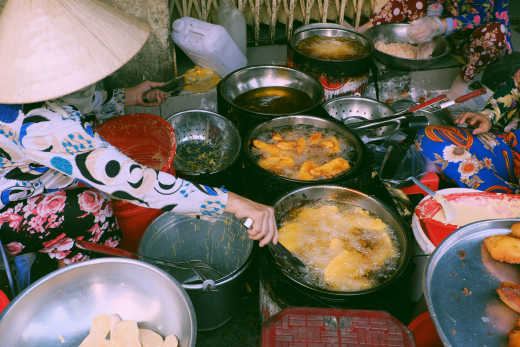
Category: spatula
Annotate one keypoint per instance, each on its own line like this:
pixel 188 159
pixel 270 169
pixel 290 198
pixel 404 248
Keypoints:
pixel 280 251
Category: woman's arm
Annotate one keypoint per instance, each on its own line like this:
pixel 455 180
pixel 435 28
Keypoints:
pixel 504 105
pixel 474 14
pixel 60 141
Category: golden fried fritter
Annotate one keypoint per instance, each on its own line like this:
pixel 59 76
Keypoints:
pixel 276 164
pixel 286 145
pixel 315 138
pixel 514 338
pixel 515 230
pixel 267 147
pixel 301 144
pixel 331 168
pixel 304 173
pixel 331 144
pixel 509 293
pixel 277 137
pixel 503 248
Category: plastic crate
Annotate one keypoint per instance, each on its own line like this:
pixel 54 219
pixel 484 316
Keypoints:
pixel 330 327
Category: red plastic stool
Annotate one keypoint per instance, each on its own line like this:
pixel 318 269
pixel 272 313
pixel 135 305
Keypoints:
pixel 149 140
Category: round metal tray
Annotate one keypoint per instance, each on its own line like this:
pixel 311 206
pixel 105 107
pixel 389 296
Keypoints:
pixel 460 287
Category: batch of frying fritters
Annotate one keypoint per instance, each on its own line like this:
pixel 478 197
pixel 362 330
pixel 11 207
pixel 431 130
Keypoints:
pixel 506 248
pixel 281 156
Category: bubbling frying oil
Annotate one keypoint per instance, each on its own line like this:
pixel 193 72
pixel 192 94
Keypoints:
pixel 274 100
pixel 314 152
pixel 344 247
pixel 331 48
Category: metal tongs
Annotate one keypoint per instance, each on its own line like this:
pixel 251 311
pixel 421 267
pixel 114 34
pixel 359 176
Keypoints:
pixel 435 104
pixel 203 272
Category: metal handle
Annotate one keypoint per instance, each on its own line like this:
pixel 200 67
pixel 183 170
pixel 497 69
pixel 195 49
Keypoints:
pixel 98 248
pixel 427 103
pixel 371 123
pixel 423 187
pixel 471 95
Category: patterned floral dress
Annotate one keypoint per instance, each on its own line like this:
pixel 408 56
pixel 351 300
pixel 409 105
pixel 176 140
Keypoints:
pixel 47 152
pixel 479 30
pixel 489 162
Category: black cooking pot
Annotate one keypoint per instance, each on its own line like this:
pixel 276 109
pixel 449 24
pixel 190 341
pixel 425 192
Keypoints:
pixel 328 71
pixel 258 76
pixel 390 294
pixel 266 187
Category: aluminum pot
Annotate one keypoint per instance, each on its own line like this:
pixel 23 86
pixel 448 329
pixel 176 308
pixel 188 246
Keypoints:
pixel 64 302
pixel 222 243
pixel 257 76
pixel 268 186
pixel 397 32
pixel 383 296
pixel 339 77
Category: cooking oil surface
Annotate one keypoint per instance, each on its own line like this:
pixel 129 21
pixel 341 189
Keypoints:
pixel 274 100
pixel 331 48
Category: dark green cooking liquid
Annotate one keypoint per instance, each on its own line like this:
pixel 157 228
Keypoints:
pixel 274 100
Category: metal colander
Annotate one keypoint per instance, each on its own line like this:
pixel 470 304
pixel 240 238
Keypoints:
pixel 206 142
pixel 350 109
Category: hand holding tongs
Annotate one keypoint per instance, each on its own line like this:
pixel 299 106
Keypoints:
pixel 408 113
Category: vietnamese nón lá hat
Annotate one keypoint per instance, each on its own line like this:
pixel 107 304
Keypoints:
pixel 50 48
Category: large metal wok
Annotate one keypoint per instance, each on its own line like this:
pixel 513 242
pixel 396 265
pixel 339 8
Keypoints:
pixel 340 195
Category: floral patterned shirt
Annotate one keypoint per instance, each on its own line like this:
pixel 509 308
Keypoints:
pixel 55 147
pixel 470 14
pixel 503 107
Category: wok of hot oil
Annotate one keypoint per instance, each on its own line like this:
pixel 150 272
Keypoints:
pixel 331 48
pixel 345 247
pixel 275 100
pixel 312 152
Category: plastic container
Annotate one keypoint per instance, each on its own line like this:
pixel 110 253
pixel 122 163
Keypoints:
pixel 208 45
pixel 149 140
pixel 308 326
pixel 424 331
pixel 233 20
pixel 4 301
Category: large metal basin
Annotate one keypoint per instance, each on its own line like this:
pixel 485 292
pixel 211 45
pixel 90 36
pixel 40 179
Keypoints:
pixel 58 309
pixel 397 32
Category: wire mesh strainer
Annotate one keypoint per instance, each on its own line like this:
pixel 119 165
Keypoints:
pixel 206 142
pixel 351 109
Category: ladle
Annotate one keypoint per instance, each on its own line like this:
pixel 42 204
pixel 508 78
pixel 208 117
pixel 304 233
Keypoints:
pixel 448 209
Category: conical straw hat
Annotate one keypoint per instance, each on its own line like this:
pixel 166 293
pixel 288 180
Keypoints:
pixel 50 48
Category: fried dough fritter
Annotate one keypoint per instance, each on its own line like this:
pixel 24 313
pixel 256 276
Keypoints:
pixel 301 144
pixel 276 164
pixel 514 338
pixel 331 144
pixel 515 230
pixel 509 293
pixel 305 171
pixel 503 248
pixel 331 168
pixel 277 137
pixel 315 138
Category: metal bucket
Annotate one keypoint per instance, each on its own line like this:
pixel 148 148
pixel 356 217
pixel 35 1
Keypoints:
pixel 223 244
